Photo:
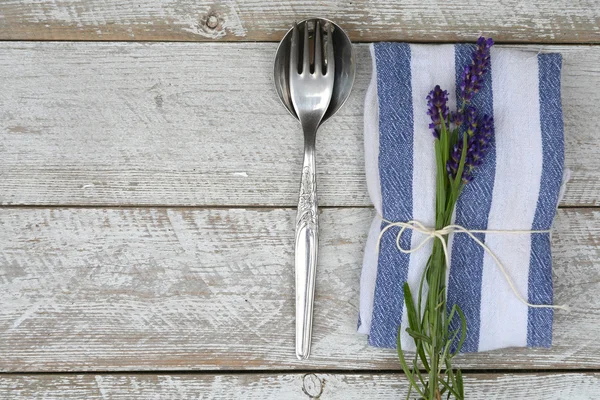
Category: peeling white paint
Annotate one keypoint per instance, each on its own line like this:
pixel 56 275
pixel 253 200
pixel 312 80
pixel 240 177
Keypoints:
pixel 106 126
pixel 191 288
pixel 233 22
pixel 535 20
pixel 28 313
pixel 100 384
pixel 291 386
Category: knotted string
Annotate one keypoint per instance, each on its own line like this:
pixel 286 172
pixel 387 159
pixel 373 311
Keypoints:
pixel 432 234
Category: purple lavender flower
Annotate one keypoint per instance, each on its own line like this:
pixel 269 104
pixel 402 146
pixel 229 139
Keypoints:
pixel 479 131
pixel 470 117
pixel 472 75
pixel 437 109
pixel 456 118
pixel 452 164
pixel 478 144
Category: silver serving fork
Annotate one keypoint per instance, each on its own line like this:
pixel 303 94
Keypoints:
pixel 311 90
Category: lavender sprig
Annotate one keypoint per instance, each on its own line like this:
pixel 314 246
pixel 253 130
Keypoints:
pixel 437 109
pixel 472 75
pixel 478 143
pixel 462 138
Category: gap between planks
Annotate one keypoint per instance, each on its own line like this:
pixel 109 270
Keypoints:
pixel 354 42
pixel 249 207
pixel 299 371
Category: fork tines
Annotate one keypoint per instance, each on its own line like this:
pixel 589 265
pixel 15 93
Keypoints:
pixel 321 59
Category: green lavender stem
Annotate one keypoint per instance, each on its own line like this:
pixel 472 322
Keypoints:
pixel 436 310
pixel 431 328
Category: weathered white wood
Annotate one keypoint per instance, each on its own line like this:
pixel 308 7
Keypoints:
pixel 161 288
pixel 547 386
pixel 200 124
pixel 365 20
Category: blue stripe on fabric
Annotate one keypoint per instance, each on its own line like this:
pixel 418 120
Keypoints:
pixel 539 324
pixel 394 91
pixel 472 211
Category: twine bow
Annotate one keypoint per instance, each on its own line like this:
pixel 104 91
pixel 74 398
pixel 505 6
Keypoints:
pixel 432 234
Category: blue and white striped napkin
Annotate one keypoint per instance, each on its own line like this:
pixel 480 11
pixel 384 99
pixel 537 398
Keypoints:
pixel 517 188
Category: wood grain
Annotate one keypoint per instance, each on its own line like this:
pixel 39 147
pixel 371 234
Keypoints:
pixel 567 21
pixel 92 289
pixel 526 386
pixel 185 124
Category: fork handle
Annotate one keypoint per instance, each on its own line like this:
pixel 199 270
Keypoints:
pixel 307 242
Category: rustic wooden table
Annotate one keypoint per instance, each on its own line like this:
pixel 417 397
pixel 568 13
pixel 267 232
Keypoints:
pixel 148 183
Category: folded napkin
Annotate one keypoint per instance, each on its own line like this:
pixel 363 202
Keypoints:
pixel 517 188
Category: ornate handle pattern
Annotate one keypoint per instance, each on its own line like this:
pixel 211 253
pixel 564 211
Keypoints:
pixel 307 240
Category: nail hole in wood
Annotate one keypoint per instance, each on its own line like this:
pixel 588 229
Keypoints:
pixel 312 386
pixel 212 21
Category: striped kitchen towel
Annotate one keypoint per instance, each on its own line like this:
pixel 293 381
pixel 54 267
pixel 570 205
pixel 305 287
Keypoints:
pixel 517 188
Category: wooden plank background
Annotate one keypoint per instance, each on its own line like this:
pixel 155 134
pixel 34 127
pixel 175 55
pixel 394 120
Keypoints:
pixel 122 124
pixel 575 386
pixel 548 21
pixel 147 195
pixel 185 289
